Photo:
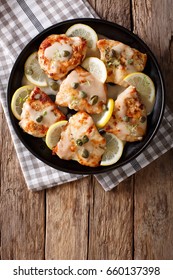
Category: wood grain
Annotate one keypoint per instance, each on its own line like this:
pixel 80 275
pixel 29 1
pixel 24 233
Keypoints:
pixel 153 219
pixel 22 212
pixel 153 214
pixel 115 11
pixel 67 221
pixel 111 222
pixel 153 22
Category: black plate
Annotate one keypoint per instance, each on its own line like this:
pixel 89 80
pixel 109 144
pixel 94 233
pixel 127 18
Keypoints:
pixel 112 31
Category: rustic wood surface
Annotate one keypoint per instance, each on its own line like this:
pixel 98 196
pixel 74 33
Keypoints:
pixel 80 220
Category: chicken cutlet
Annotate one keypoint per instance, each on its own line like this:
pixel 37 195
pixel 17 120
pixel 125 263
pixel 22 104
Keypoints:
pixel 81 91
pixel 129 119
pixel 120 60
pixel 38 113
pixel 81 141
pixel 58 54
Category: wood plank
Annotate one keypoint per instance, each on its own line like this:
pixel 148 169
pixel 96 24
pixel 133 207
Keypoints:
pixel 67 221
pixel 22 212
pixel 153 22
pixel 153 220
pixel 115 11
pixel 111 222
pixel 111 213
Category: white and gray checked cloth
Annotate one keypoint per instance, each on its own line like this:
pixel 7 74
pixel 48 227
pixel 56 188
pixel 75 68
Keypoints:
pixel 22 20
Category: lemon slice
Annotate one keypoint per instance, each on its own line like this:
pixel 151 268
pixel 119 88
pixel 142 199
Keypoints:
pixel 114 149
pixel 86 32
pixel 51 89
pixel 101 119
pixel 96 67
pixel 145 86
pixel 18 98
pixel 53 134
pixel 33 71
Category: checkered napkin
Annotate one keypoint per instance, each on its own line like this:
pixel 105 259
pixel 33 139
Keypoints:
pixel 20 21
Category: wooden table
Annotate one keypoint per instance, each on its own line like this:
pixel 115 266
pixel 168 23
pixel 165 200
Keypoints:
pixel 80 220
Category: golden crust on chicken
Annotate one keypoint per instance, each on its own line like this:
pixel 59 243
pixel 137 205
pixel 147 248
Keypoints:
pixel 58 54
pixel 81 141
pixel 129 119
pixel 81 91
pixel 120 60
pixel 38 113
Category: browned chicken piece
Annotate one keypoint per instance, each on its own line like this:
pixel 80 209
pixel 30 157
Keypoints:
pixel 58 54
pixel 129 119
pixel 81 141
pixel 81 91
pixel 120 60
pixel 38 113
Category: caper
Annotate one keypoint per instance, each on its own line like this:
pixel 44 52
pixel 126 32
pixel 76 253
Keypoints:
pixel 83 94
pixel 79 142
pixel 75 85
pixel 126 118
pixel 66 53
pixel 85 153
pixel 54 86
pixel 94 99
pixel 39 119
pixel 29 71
pixel 85 139
pixel 142 119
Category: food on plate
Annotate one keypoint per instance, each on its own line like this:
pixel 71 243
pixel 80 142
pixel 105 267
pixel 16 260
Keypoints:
pixel 96 67
pixel 102 118
pixel 109 93
pixel 33 71
pixel 145 87
pixel 120 60
pixel 81 91
pixel 38 113
pixel 86 32
pixel 54 133
pixel 58 54
pixel 19 97
pixel 51 88
pixel 114 149
pixel 129 119
pixel 81 141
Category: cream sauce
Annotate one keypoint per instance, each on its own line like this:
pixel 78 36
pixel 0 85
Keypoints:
pixel 121 98
pixel 80 124
pixel 88 84
pixel 127 53
pixel 46 116
pixel 56 51
pixel 126 50
pixel 114 91
pixel 76 41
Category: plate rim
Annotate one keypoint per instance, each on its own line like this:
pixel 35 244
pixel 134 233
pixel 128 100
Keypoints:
pixel 91 170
